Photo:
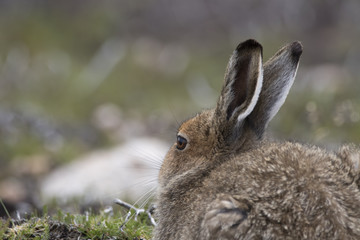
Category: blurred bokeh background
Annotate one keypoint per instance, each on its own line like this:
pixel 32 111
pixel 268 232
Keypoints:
pixel 78 76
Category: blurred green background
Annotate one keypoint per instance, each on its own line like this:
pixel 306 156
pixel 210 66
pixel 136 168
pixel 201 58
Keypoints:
pixel 81 75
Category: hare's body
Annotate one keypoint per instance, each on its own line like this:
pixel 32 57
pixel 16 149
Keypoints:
pixel 270 195
pixel 221 181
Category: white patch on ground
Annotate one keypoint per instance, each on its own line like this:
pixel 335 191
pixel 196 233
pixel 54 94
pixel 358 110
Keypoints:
pixel 123 171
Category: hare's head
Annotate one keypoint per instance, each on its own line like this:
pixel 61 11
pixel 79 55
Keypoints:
pixel 251 96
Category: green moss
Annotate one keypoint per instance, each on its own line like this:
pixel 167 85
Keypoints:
pixel 71 226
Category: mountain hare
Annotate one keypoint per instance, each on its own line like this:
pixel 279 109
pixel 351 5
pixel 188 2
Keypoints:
pixel 221 180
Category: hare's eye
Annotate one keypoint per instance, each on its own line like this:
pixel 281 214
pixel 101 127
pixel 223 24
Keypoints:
pixel 181 143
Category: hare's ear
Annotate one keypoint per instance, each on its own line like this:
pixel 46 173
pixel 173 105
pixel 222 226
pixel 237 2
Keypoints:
pixel 243 81
pixel 279 75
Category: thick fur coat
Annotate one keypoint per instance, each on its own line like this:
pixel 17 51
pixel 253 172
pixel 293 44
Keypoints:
pixel 222 180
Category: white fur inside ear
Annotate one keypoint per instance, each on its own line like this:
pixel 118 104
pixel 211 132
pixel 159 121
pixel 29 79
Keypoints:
pixel 255 97
pixel 289 79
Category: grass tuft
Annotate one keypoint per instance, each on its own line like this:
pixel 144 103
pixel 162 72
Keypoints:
pixel 76 226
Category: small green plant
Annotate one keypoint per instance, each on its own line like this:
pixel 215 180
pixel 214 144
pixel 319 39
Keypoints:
pixel 77 226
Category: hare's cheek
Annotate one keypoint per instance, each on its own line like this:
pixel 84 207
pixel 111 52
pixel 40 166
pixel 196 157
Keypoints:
pixel 163 175
pixel 170 165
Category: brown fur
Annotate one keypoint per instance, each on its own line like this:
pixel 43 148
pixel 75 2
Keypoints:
pixel 229 183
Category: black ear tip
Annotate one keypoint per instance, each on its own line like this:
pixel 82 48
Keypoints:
pixel 249 44
pixel 296 49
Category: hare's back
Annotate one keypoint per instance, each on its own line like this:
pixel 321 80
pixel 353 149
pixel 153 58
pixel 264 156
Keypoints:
pixel 290 167
pixel 291 189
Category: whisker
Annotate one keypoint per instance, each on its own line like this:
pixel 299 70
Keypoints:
pixel 147 200
pixel 151 157
pixel 147 196
pixel 143 183
pixel 140 167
